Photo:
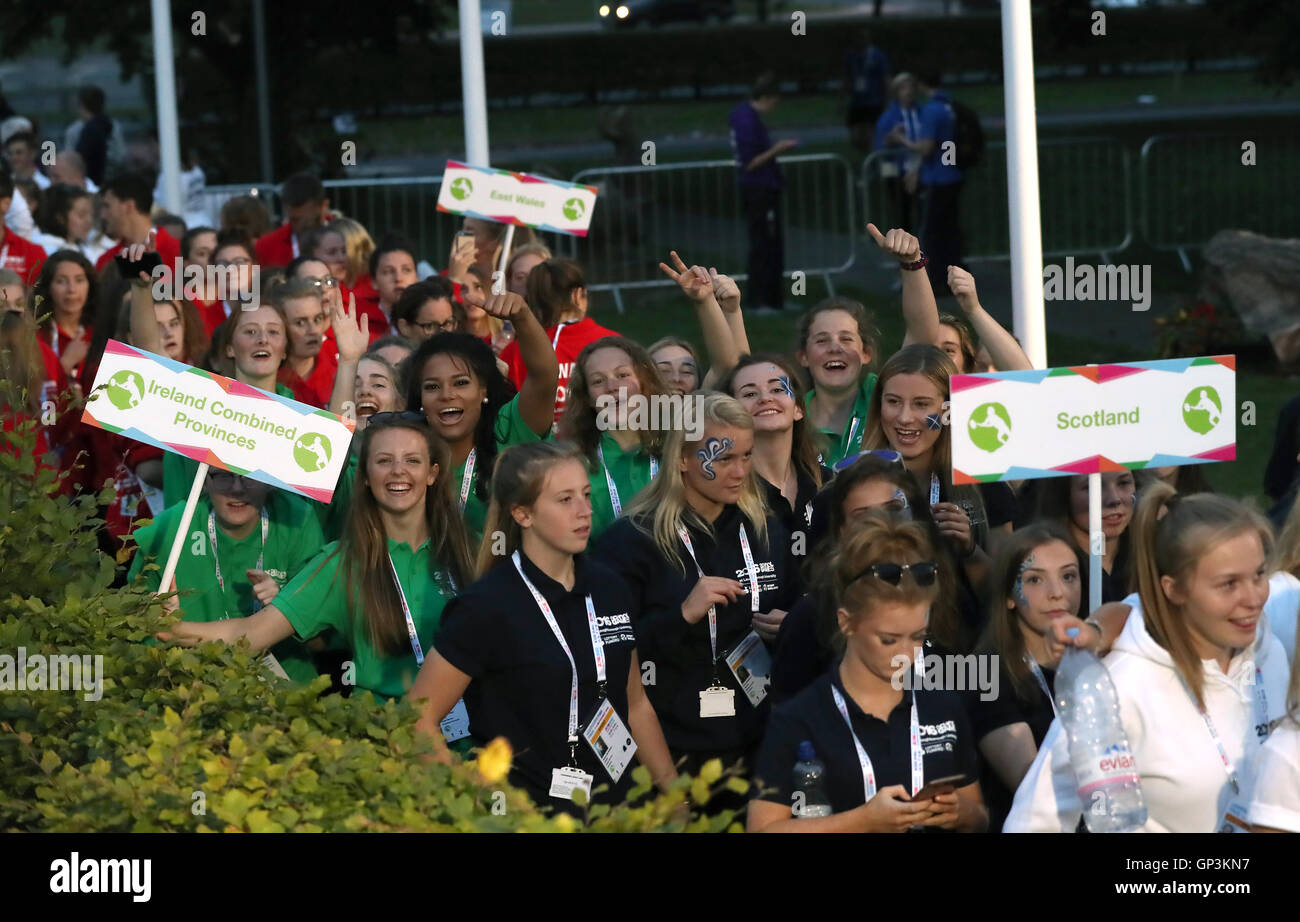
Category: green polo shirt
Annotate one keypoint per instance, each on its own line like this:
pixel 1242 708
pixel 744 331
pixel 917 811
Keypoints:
pixel 630 471
pixel 316 601
pixel 510 430
pixel 293 538
pixel 179 471
pixel 847 441
pixel 334 516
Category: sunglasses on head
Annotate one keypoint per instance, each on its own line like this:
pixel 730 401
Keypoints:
pixel 923 572
pixel 396 416
pixel 884 454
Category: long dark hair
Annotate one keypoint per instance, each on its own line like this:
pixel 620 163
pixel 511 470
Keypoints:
pixel 364 544
pixel 1002 635
pixel 808 442
pixel 44 304
pixel 482 364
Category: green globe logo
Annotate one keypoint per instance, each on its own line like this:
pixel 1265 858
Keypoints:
pixel 125 390
pixel 1202 409
pixel 574 209
pixel 461 188
pixel 312 452
pixel 990 426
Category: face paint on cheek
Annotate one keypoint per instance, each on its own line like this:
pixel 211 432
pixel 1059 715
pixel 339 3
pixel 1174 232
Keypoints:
pixel 713 450
pixel 1020 577
pixel 901 497
pixel 934 421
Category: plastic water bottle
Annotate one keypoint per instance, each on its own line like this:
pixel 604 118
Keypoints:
pixel 1103 763
pixel 808 773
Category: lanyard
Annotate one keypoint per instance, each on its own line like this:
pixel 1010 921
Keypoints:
pixel 934 489
pixel 1042 682
pixel 4 254
pixel 467 478
pixel 54 335
pixel 848 442
pixel 555 343
pixel 749 566
pixel 597 647
pixel 293 240
pixel 609 481
pixel 864 760
pixel 212 540
pixel 713 609
pixel 1261 706
pixel 406 611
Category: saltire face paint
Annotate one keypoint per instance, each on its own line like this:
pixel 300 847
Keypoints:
pixel 934 421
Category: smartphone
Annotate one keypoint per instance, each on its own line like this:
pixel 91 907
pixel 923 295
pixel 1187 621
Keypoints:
pixel 463 241
pixel 940 786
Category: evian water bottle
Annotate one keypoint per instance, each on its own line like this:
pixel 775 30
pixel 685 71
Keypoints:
pixel 1107 773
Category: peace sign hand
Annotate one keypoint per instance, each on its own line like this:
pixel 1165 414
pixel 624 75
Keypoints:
pixel 898 243
pixel 694 282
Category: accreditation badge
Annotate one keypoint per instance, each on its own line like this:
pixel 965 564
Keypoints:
pixel 455 726
pixel 1234 819
pixel 564 781
pixel 751 664
pixel 717 701
pixel 273 664
pixel 609 739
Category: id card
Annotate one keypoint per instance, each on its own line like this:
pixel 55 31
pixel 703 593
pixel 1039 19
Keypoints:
pixel 455 726
pixel 273 664
pixel 751 664
pixel 607 736
pixel 717 701
pixel 564 781
pixel 1234 819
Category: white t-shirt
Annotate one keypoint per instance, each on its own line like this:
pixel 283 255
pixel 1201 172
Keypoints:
pixel 19 217
pixel 1283 602
pixel 1276 799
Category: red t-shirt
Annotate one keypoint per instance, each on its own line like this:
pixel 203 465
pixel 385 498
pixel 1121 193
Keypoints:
pixel 317 388
pixel 213 314
pixel 20 255
pixel 368 304
pixel 275 249
pixel 168 249
pixel 569 340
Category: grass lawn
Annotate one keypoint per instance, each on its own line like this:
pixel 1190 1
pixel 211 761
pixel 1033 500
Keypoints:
pixel 651 314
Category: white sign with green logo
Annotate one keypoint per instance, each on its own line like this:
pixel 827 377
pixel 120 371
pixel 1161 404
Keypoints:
pixel 1088 419
pixel 516 198
pixel 219 421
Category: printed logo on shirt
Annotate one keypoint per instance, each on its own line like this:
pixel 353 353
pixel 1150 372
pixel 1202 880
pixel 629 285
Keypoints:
pixel 940 737
pixel 615 629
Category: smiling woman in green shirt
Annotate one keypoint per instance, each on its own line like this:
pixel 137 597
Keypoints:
pixel 403 552
pixel 610 375
pixel 454 381
pixel 247 541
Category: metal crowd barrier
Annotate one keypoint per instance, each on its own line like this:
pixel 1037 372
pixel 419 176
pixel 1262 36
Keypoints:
pixel 1085 195
pixel 695 208
pixel 1195 185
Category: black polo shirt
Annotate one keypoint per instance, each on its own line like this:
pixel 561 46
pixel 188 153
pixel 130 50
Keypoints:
pixel 677 654
pixel 1006 709
pixel 802 652
pixel 946 740
pixel 799 518
pixel 495 633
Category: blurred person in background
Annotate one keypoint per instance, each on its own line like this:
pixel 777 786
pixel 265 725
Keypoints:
pixel 305 206
pixel 246 214
pixel 866 84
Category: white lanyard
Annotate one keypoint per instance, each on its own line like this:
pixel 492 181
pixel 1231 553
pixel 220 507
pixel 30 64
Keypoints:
pixel 406 611
pixel 597 646
pixel 713 609
pixel 555 343
pixel 934 489
pixel 212 540
pixel 467 478
pixel 4 254
pixel 864 760
pixel 293 240
pixel 1261 706
pixel 1042 681
pixel 609 481
pixel 848 442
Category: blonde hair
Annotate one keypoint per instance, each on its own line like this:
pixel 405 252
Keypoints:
pixel 1173 545
pixel 880 537
pixel 517 480
pixel 663 504
pixel 359 245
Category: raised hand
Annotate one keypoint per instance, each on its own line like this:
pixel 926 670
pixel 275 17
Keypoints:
pixel 353 338
pixel 726 291
pixel 897 243
pixel 694 282
pixel 962 284
pixel 507 305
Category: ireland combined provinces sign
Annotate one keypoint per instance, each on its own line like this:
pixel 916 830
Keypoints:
pixel 1017 425
pixel 220 421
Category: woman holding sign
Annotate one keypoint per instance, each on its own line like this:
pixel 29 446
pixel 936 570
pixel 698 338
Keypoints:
pixel 247 541
pixel 711 570
pixel 895 757
pixel 383 587
pixel 610 376
pixel 1199 675
pixel 543 648
pixel 454 381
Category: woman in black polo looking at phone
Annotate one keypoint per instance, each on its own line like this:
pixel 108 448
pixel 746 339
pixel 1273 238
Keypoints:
pixel 879 739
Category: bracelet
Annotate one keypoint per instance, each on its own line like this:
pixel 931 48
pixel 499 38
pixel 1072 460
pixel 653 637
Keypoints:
pixel 919 264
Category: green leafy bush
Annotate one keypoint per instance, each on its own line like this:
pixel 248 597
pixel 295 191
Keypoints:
pixel 203 739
